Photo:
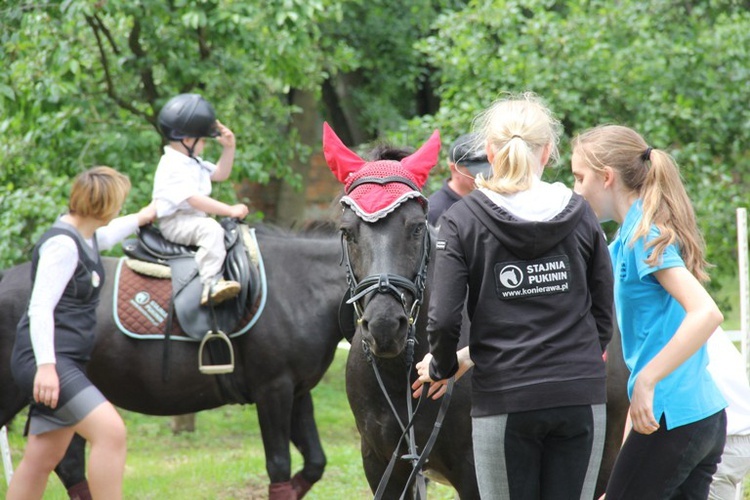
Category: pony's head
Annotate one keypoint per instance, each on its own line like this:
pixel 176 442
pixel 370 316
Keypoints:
pixel 385 238
pixel 373 189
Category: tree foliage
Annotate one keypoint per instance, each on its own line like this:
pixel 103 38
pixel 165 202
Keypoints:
pixel 83 81
pixel 674 71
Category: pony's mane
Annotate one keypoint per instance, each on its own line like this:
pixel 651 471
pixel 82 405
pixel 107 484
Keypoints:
pixel 384 151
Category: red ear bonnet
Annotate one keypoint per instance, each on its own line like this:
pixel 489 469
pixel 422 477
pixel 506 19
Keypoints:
pixel 374 189
pixel 341 160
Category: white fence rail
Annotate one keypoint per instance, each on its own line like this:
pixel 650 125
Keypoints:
pixel 5 451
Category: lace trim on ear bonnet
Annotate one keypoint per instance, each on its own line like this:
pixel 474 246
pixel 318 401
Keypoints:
pixel 375 189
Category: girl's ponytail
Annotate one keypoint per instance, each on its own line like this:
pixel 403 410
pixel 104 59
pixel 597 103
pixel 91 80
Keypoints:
pixel 516 130
pixel 667 205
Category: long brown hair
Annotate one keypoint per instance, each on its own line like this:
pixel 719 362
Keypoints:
pixel 655 177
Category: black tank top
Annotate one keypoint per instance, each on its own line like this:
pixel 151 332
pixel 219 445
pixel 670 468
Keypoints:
pixel 75 313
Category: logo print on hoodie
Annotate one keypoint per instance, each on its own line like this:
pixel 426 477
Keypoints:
pixel 511 276
pixel 532 278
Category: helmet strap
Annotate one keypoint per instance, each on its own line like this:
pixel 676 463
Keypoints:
pixel 190 149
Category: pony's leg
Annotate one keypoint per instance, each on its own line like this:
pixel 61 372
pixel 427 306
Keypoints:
pixel 375 467
pixel 307 440
pixel 11 401
pixel 617 410
pixel 72 470
pixel 468 488
pixel 274 407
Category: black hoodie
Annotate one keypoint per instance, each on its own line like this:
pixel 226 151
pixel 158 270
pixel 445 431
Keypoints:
pixel 539 300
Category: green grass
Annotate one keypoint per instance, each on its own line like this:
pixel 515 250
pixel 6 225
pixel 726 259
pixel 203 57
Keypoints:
pixel 223 458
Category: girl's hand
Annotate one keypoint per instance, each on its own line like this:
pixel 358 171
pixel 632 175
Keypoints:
pixel 147 214
pixel 642 407
pixel 46 385
pixel 437 389
pixel 226 138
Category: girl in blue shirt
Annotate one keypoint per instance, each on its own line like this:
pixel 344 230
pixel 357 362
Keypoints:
pixel 664 313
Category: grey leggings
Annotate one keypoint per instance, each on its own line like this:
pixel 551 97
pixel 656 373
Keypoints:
pixel 542 454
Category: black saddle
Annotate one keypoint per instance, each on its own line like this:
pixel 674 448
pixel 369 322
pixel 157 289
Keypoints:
pixel 196 321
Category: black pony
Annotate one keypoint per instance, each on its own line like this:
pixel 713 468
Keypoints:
pixel 387 246
pixel 277 363
pixel 387 243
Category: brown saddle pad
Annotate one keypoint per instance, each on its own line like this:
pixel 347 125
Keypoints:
pixel 142 304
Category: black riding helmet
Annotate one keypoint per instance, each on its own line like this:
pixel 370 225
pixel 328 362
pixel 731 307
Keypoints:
pixel 187 116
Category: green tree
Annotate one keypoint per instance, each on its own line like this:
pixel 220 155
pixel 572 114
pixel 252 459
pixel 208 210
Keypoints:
pixel 676 72
pixel 83 83
pixel 84 80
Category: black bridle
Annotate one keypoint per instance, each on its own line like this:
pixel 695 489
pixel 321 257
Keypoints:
pixel 390 283
pixel 394 284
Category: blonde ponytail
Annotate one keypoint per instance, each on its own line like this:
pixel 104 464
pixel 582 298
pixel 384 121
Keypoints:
pixel 516 129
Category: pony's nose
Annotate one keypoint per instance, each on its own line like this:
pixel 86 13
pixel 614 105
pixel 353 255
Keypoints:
pixel 385 333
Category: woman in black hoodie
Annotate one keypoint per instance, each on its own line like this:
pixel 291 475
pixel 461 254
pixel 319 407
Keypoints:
pixel 531 262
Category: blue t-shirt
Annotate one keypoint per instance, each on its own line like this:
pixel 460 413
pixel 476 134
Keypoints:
pixel 648 317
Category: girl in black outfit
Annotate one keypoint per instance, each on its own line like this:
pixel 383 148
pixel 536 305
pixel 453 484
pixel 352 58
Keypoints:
pixel 530 260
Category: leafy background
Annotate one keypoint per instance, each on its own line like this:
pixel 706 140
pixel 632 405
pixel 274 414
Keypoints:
pixel 83 81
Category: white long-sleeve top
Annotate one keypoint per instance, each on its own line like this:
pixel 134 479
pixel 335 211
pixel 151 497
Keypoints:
pixel 58 259
pixel 727 367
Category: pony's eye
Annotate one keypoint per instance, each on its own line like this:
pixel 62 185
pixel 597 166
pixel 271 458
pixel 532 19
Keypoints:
pixel 347 234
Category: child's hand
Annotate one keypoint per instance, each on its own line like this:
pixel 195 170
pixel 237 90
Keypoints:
pixel 238 211
pixel 226 138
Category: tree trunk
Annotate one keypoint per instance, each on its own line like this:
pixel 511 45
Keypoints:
pixel 291 202
pixel 343 111
pixel 183 423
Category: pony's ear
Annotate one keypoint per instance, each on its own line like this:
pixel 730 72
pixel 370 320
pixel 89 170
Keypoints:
pixel 341 160
pixel 422 160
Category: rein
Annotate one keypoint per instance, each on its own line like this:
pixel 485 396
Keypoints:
pixel 393 284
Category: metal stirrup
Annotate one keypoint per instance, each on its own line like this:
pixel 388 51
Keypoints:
pixel 216 369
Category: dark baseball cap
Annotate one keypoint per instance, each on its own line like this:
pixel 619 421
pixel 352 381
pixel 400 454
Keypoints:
pixel 468 151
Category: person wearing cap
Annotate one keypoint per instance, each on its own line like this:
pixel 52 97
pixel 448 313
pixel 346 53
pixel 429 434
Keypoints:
pixel 466 159
pixel 182 189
